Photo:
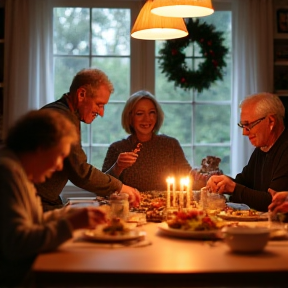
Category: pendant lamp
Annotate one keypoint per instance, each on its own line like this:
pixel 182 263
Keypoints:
pixel 149 26
pixel 182 8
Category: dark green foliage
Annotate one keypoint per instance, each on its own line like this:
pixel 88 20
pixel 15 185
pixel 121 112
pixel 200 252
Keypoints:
pixel 172 57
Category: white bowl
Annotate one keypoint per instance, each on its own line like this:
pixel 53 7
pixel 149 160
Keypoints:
pixel 246 239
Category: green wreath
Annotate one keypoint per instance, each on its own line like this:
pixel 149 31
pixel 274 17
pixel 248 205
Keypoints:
pixel 172 57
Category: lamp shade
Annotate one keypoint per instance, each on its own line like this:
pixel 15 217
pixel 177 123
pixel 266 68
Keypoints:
pixel 149 26
pixel 182 8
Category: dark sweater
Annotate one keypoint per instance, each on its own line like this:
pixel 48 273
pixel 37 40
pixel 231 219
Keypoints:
pixel 160 157
pixel 76 169
pixel 264 170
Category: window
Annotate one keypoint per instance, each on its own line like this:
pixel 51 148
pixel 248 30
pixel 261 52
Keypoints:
pixel 200 121
pixel 99 36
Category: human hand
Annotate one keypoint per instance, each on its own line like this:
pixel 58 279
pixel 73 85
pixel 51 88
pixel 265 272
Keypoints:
pixel 126 159
pixel 198 176
pixel 87 217
pixel 199 179
pixel 134 195
pixel 279 201
pixel 221 184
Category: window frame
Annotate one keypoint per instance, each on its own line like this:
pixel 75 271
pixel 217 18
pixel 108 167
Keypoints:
pixel 142 51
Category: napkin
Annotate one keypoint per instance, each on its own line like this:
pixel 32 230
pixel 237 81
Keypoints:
pixel 238 206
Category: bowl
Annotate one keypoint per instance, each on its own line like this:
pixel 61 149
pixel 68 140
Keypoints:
pixel 246 239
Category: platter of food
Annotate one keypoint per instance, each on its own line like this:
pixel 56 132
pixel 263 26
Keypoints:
pixel 278 234
pixel 195 224
pixel 116 231
pixel 243 215
pixel 191 234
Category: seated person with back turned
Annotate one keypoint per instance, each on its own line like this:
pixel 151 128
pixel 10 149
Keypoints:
pixel 262 121
pixel 89 92
pixel 35 147
pixel 145 159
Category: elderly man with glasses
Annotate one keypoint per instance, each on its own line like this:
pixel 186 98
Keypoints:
pixel 262 120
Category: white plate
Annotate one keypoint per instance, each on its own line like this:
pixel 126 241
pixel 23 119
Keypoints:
pixel 243 217
pixel 100 236
pixel 208 234
pixel 278 234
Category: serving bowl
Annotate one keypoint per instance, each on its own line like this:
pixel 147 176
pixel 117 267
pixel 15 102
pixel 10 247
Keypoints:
pixel 246 239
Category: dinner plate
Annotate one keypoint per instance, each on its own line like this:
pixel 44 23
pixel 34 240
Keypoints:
pixel 208 234
pixel 95 235
pixel 278 234
pixel 243 217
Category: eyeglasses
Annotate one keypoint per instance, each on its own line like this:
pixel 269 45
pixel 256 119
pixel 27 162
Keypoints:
pixel 249 126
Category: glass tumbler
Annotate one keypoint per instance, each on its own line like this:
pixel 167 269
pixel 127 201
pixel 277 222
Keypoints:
pixel 119 206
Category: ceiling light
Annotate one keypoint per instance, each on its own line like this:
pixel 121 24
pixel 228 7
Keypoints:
pixel 182 8
pixel 149 26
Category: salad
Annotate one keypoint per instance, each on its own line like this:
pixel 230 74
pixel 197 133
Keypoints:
pixel 195 220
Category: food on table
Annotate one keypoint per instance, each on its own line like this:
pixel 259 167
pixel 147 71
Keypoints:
pixel 138 148
pixel 135 217
pixel 194 220
pixel 153 204
pixel 242 215
pixel 236 212
pixel 116 227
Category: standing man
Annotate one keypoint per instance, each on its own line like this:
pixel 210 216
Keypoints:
pixel 89 92
pixel 262 120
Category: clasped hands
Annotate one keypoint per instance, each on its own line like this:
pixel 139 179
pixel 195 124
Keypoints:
pixel 220 184
pixel 223 184
pixel 279 202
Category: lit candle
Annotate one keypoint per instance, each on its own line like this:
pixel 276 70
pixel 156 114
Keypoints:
pixel 174 191
pixel 185 191
pixel 188 193
pixel 181 192
pixel 168 180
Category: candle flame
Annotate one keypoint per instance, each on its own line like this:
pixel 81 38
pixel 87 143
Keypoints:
pixel 184 181
pixel 170 180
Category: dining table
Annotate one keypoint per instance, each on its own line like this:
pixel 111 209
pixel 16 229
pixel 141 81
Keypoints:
pixel 162 261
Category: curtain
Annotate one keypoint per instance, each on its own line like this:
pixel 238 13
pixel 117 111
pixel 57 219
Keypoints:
pixel 28 57
pixel 252 30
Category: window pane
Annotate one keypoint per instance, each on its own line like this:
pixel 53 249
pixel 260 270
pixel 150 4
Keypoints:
pixel 71 31
pixel 209 111
pixel 212 124
pixel 177 122
pixel 85 133
pixel 108 129
pixel 97 158
pixel 165 90
pixel 111 31
pixel 118 71
pixel 188 154
pixel 221 152
pixel 65 69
